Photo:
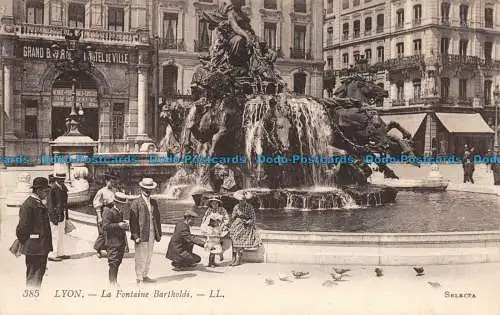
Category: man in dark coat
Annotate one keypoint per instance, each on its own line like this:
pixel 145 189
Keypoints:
pixel 114 228
pixel 180 247
pixel 102 197
pixel 145 229
pixel 57 203
pixel 33 232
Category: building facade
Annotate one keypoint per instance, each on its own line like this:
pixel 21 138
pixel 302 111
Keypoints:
pixel 439 60
pixel 142 50
pixel 291 27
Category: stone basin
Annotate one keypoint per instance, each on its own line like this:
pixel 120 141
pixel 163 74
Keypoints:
pixel 314 198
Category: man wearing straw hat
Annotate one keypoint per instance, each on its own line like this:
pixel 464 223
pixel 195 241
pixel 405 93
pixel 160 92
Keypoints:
pixel 34 233
pixel 180 247
pixel 103 197
pixel 57 203
pixel 114 228
pixel 145 229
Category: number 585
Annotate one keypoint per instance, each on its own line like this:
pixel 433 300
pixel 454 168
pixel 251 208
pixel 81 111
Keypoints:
pixel 31 293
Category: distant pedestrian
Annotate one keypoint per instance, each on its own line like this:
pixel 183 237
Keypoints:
pixel 468 167
pixel 145 229
pixel 114 228
pixel 34 232
pixel 180 247
pixel 487 162
pixel 57 203
pixel 103 197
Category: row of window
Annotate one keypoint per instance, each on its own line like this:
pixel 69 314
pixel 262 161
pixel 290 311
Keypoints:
pixel 417 50
pixel 417 20
pixel 345 3
pixel 464 14
pixel 204 38
pixel 76 15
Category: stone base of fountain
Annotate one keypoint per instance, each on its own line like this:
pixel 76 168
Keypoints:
pixel 318 198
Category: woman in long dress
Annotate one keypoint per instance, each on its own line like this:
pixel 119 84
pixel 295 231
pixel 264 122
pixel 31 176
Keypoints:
pixel 215 207
pixel 243 231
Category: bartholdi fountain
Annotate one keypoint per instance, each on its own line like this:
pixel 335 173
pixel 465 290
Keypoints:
pixel 239 96
pixel 242 108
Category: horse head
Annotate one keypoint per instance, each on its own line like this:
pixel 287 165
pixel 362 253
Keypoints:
pixel 361 89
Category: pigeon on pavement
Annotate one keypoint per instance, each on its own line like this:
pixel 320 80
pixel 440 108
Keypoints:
pixel 284 278
pixel 379 272
pixel 434 284
pixel 419 271
pixel 299 274
pixel 341 270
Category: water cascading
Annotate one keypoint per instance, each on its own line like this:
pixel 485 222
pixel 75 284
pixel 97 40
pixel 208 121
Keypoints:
pixel 309 121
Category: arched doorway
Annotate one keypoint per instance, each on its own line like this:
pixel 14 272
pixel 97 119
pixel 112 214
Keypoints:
pixel 86 96
pixel 299 83
pixel 170 73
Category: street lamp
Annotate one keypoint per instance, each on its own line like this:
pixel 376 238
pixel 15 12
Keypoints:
pixel 77 60
pixel 496 95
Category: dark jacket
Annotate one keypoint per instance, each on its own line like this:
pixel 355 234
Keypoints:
pixel 182 242
pixel 114 236
pixel 33 230
pixel 57 202
pixel 139 220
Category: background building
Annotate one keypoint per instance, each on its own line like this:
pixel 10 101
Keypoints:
pixel 440 60
pixel 142 50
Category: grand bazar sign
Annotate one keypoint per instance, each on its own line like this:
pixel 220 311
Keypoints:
pixel 47 53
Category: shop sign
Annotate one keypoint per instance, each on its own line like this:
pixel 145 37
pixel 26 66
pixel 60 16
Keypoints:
pixel 97 56
pixel 87 98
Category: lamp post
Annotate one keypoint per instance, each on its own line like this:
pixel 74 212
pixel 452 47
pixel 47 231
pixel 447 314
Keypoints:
pixel 77 60
pixel 496 95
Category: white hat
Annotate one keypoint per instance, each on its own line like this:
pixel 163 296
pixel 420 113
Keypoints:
pixel 148 183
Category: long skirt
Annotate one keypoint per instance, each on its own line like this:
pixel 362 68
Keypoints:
pixel 244 235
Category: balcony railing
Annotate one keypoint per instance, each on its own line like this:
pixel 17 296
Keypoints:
pixel 380 29
pixel 300 54
pixel 329 42
pixel 345 37
pixel 400 26
pixel 445 20
pixel 356 34
pixel 461 59
pixel 168 43
pixel 464 23
pixel 488 24
pixel 416 101
pixel 465 101
pixel 368 32
pixel 407 62
pixel 417 22
pixel 398 102
pixel 201 47
pixel 59 32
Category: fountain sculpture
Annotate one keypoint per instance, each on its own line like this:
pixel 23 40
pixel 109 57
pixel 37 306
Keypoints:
pixel 241 107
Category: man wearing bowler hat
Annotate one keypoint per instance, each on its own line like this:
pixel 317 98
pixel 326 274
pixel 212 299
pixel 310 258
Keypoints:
pixel 114 228
pixel 33 232
pixel 180 248
pixel 57 203
pixel 103 197
pixel 145 229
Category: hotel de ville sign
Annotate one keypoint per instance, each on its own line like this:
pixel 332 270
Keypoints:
pixel 45 52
